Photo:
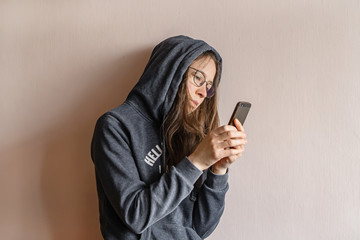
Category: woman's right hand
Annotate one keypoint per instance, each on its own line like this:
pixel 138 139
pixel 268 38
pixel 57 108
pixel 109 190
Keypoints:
pixel 220 143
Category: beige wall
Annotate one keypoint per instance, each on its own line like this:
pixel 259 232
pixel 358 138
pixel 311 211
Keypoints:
pixel 63 64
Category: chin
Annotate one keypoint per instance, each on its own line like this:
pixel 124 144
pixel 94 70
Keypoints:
pixel 190 110
pixel 193 110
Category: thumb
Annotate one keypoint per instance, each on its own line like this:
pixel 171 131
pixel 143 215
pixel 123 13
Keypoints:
pixel 238 125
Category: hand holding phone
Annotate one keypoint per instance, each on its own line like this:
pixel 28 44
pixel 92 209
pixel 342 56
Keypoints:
pixel 240 112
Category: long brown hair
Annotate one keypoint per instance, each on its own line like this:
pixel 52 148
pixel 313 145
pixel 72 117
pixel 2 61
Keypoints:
pixel 183 131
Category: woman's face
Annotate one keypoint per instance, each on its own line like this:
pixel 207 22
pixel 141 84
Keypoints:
pixel 205 66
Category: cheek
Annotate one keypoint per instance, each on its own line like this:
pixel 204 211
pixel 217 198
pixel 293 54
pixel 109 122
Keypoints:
pixel 190 88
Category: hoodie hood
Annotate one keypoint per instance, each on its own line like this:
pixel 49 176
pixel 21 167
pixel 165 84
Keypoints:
pixel 155 92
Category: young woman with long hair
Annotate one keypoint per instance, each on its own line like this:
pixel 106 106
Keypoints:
pixel 161 159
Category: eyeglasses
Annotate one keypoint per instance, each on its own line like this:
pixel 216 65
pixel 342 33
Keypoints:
pixel 199 80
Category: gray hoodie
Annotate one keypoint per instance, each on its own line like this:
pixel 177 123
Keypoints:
pixel 138 199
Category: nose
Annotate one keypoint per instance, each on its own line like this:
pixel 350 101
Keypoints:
pixel 201 91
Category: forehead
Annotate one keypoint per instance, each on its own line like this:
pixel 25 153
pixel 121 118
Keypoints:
pixel 206 65
pixel 203 62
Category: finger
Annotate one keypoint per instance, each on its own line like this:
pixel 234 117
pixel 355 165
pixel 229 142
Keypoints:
pixel 225 128
pixel 232 143
pixel 231 135
pixel 232 159
pixel 233 147
pixel 231 152
pixel 238 125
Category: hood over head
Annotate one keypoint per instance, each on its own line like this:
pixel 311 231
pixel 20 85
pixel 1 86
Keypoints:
pixel 155 92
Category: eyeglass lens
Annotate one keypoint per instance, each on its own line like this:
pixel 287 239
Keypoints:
pixel 200 79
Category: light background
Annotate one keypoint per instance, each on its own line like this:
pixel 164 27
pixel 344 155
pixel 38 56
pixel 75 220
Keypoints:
pixel 64 63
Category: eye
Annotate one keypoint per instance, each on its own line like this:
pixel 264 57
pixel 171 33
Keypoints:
pixel 198 77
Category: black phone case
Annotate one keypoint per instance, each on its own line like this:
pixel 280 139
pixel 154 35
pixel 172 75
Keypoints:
pixel 240 112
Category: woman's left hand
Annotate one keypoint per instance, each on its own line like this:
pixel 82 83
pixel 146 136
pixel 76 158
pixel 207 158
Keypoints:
pixel 222 165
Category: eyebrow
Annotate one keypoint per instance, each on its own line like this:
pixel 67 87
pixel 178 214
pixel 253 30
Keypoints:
pixel 201 72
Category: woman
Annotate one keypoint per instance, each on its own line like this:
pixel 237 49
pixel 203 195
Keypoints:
pixel 160 158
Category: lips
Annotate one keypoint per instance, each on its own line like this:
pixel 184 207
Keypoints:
pixel 195 103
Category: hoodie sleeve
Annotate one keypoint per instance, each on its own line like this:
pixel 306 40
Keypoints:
pixel 210 203
pixel 137 204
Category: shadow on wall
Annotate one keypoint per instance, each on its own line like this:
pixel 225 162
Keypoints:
pixel 68 185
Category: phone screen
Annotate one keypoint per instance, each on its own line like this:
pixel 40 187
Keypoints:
pixel 240 112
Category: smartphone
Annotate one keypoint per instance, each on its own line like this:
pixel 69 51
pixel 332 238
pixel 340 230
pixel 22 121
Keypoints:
pixel 240 112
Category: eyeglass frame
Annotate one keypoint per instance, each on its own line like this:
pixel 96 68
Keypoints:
pixel 207 82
